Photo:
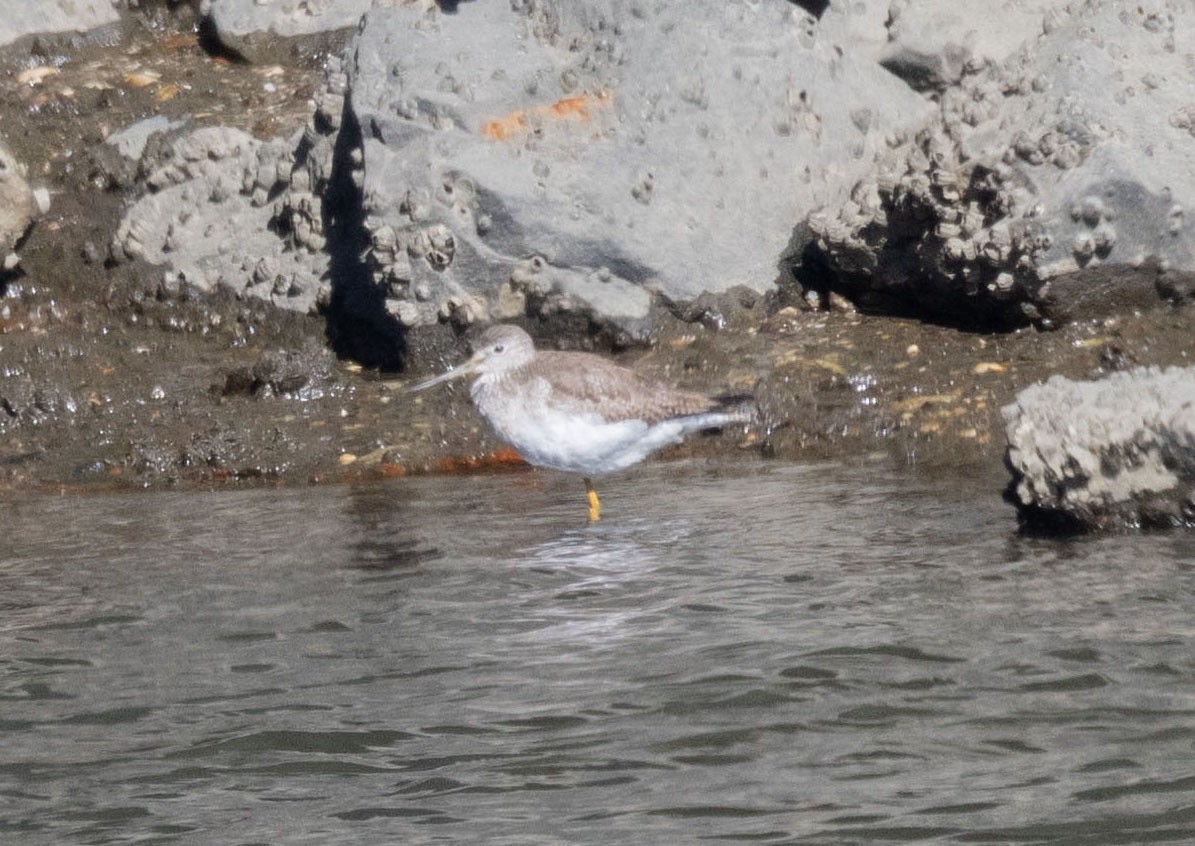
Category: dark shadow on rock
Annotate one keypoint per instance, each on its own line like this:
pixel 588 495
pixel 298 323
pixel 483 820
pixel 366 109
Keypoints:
pixel 1098 292
pixel 7 277
pixel 210 43
pixel 358 325
pixel 811 270
pixel 814 7
pixel 10 276
pixel 803 269
pixel 1035 521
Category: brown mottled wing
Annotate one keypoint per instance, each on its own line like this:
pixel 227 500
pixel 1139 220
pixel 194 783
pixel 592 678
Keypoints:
pixel 586 382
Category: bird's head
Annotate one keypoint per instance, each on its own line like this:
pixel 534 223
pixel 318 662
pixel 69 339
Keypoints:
pixel 498 349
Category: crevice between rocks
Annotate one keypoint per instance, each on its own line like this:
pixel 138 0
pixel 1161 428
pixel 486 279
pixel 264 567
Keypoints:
pixel 358 326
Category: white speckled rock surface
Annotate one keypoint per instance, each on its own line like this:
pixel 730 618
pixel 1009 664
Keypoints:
pixel 30 17
pixel 1117 452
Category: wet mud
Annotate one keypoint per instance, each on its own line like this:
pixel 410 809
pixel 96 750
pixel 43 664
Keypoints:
pixel 108 380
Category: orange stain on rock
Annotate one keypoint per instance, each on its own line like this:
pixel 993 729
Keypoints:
pixel 522 121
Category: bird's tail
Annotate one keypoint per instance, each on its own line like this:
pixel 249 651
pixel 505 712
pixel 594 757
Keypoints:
pixel 730 409
pixel 739 408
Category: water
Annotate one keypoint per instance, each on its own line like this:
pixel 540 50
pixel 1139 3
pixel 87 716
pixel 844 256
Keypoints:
pixel 759 654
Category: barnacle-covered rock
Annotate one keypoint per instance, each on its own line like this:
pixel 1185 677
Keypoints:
pixel 1112 454
pixel 563 157
pixel 1062 159
pixel 206 218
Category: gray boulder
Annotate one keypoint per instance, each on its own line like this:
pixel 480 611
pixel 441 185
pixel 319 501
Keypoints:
pixel 131 140
pixel 257 30
pixel 533 158
pixel 209 218
pixel 1110 454
pixel 932 43
pixel 32 17
pixel 1074 155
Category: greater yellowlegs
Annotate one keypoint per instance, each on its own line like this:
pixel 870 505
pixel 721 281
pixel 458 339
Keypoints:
pixel 578 412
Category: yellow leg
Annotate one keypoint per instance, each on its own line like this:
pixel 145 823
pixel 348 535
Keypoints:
pixel 595 504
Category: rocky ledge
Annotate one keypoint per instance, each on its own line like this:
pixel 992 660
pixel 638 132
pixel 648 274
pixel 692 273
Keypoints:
pixel 229 236
pixel 1117 452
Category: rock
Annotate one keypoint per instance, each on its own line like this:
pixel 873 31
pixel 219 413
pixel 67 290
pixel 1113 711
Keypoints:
pixel 41 200
pixel 31 17
pixel 255 30
pixel 1074 154
pixel 737 307
pixel 563 156
pixel 861 29
pixel 130 142
pixel 931 43
pixel 29 402
pixel 18 208
pixel 305 373
pixel 207 217
pixel 1117 453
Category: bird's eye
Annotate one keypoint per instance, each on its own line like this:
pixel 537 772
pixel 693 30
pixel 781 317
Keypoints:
pixel 499 348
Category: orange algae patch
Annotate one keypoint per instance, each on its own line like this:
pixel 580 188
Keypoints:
pixel 391 470
pixel 522 121
pixel 453 465
pixel 463 464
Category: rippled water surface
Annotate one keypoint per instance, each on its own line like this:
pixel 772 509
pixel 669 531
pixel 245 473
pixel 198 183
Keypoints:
pixel 763 654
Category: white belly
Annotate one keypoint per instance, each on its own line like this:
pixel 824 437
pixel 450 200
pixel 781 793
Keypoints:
pixel 577 442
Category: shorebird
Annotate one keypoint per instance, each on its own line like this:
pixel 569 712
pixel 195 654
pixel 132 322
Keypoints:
pixel 578 412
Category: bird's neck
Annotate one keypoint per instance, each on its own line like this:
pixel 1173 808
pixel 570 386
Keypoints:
pixel 487 384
